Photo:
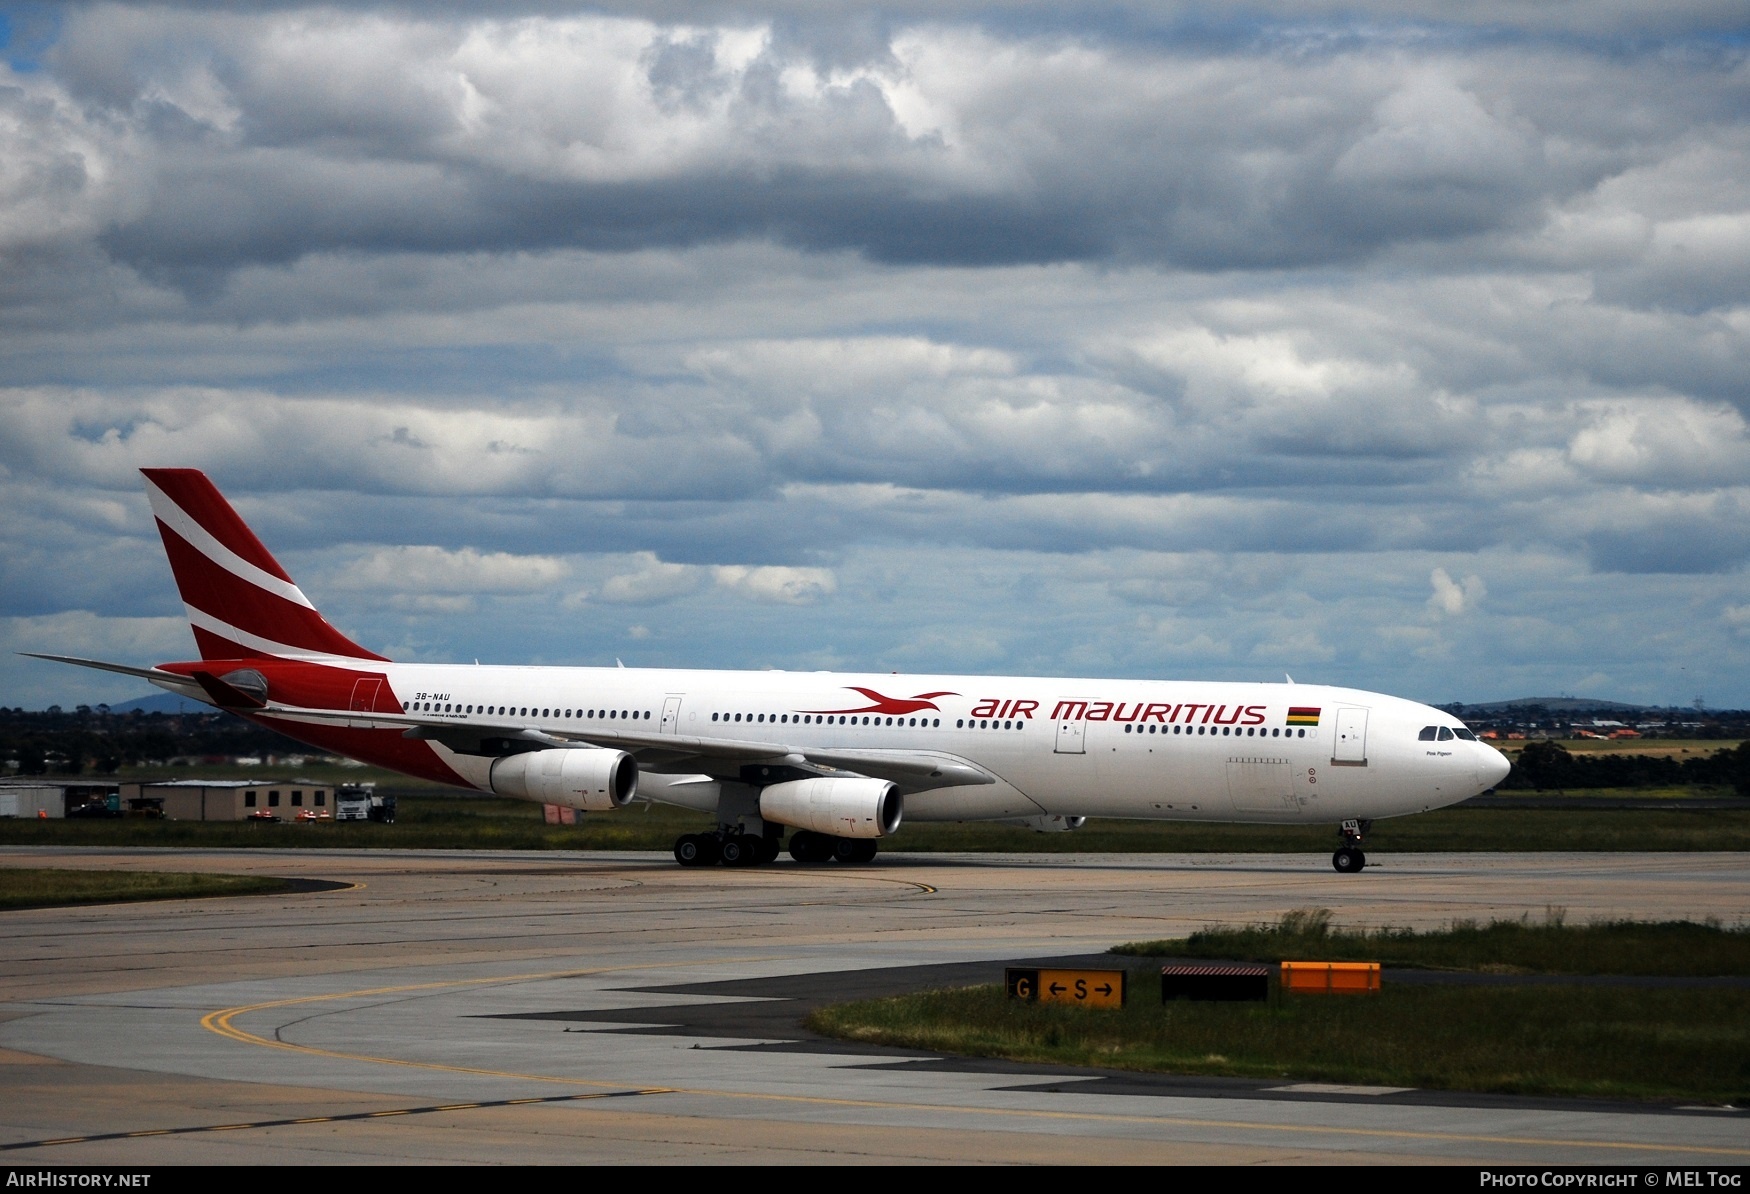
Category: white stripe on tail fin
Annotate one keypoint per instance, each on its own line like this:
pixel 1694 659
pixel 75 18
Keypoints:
pixel 240 602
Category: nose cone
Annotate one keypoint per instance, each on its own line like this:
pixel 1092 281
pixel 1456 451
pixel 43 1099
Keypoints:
pixel 1492 768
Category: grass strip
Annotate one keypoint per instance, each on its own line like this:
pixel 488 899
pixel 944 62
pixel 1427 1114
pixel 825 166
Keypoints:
pixel 24 887
pixel 1526 946
pixel 1612 1042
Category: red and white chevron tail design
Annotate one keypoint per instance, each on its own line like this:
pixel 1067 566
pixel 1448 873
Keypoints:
pixel 240 602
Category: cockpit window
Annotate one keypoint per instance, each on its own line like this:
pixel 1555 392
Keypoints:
pixel 1428 733
pixel 1465 734
pixel 1445 734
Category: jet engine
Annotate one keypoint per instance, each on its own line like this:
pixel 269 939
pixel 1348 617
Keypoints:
pixel 582 777
pixel 846 807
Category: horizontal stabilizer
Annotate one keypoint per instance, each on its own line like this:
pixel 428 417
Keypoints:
pixel 171 681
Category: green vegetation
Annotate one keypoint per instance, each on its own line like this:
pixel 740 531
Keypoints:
pixel 438 818
pixel 1548 764
pixel 1614 1042
pixel 1502 946
pixel 1559 1039
pixel 22 887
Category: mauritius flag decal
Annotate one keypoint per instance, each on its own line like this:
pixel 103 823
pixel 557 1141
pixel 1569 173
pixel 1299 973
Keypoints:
pixel 1303 715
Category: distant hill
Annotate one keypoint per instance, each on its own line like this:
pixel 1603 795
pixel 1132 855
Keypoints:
pixel 161 702
pixel 1560 705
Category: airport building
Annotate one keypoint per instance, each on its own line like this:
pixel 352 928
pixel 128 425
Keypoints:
pixel 51 798
pixel 229 799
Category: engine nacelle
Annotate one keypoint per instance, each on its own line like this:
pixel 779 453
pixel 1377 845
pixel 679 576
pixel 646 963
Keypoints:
pixel 585 777
pixel 839 807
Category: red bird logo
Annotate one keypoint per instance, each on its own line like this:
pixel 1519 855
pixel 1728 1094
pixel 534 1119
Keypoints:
pixel 887 704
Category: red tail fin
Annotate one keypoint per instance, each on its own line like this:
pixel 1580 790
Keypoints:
pixel 240 602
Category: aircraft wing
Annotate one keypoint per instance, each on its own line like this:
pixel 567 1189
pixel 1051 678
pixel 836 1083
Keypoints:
pixel 911 770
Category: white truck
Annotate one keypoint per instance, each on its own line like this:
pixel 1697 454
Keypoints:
pixel 360 802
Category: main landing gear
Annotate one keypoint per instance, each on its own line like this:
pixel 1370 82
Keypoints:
pixel 808 846
pixel 1349 859
pixel 730 849
pixel 748 849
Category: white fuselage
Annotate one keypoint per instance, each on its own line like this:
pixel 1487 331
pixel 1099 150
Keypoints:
pixel 1184 750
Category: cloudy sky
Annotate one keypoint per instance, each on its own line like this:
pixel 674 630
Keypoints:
pixel 1363 341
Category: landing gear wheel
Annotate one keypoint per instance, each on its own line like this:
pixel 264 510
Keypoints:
pixel 807 846
pixel 689 850
pixel 735 850
pixel 769 847
pixel 1348 860
pixel 853 850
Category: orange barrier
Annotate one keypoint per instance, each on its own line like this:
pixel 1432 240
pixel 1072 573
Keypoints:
pixel 1336 978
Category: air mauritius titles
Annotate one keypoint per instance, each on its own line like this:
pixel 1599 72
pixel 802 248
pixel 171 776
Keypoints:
pixel 1188 713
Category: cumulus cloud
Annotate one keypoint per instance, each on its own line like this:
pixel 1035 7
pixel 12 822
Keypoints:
pixel 436 570
pixel 1665 441
pixel 1452 597
pixel 62 178
pixel 1037 341
pixel 784 586
pixel 83 633
pixel 653 582
pixel 276 134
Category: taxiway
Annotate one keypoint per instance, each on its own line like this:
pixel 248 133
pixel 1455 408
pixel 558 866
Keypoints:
pixel 609 1007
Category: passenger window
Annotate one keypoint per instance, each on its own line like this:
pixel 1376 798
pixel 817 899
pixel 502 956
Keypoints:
pixel 1428 733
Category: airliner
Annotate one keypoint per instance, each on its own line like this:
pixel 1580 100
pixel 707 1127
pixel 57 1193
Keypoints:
pixel 837 761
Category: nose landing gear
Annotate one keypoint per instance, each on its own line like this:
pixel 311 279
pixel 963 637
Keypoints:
pixel 1348 860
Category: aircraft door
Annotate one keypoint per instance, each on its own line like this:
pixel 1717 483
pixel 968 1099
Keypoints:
pixel 1071 739
pixel 1350 748
pixel 671 716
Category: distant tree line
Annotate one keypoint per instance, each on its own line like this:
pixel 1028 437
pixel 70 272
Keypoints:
pixel 1549 765
pixel 1716 724
pixel 95 741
